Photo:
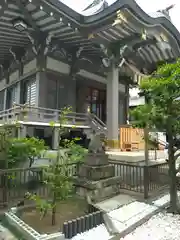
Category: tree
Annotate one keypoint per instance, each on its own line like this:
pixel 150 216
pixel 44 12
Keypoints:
pixel 21 149
pixel 162 111
pixel 16 150
pixel 5 136
pixel 59 184
pixel 56 175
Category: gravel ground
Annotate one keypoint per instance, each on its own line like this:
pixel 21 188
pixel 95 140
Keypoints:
pixel 162 226
pixel 97 233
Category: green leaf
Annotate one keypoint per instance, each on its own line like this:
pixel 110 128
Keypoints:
pixel 161 90
pixel 52 124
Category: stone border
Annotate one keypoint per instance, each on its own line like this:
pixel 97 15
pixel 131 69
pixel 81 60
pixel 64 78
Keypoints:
pixel 82 224
pixel 87 222
pixel 28 232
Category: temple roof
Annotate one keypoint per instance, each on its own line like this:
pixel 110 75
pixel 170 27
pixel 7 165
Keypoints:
pixel 71 30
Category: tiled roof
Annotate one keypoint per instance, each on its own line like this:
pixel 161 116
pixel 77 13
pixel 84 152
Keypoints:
pixel 73 30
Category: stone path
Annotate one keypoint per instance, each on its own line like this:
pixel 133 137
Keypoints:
pixel 115 202
pixel 122 221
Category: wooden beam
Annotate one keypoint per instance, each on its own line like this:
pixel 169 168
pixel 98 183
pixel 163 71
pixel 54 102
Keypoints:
pixel 27 15
pixel 4 6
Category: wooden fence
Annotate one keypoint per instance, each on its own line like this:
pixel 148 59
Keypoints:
pixel 142 179
pixel 131 138
pixel 15 183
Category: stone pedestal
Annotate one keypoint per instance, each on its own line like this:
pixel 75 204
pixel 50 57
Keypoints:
pixel 96 178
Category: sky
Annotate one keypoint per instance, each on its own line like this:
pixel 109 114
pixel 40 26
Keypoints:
pixel 148 6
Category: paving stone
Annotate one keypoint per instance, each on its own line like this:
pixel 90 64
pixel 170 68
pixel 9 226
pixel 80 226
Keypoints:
pixel 128 215
pixel 124 213
pixel 115 202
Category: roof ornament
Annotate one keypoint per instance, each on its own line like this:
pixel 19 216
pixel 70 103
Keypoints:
pixel 110 58
pixel 80 57
pixel 95 7
pixel 166 11
pixel 120 18
pixel 48 42
pixel 75 58
pixel 144 34
pixel 122 49
pixel 54 48
pixel 91 36
pixel 79 51
pixel 17 53
pixel 64 53
pixel 13 54
pixel 40 44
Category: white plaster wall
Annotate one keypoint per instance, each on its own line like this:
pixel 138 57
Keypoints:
pixel 57 66
pixel 14 76
pixel 30 66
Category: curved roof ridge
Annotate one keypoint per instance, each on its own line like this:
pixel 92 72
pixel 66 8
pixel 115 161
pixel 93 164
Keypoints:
pixel 110 12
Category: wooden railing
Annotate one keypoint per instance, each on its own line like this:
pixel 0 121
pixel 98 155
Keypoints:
pixel 39 114
pixel 97 124
pixel 26 113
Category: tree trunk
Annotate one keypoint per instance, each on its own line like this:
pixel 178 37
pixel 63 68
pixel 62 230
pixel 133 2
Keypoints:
pixel 54 210
pixel 172 174
pixel 54 194
pixel 173 188
pixel 31 161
